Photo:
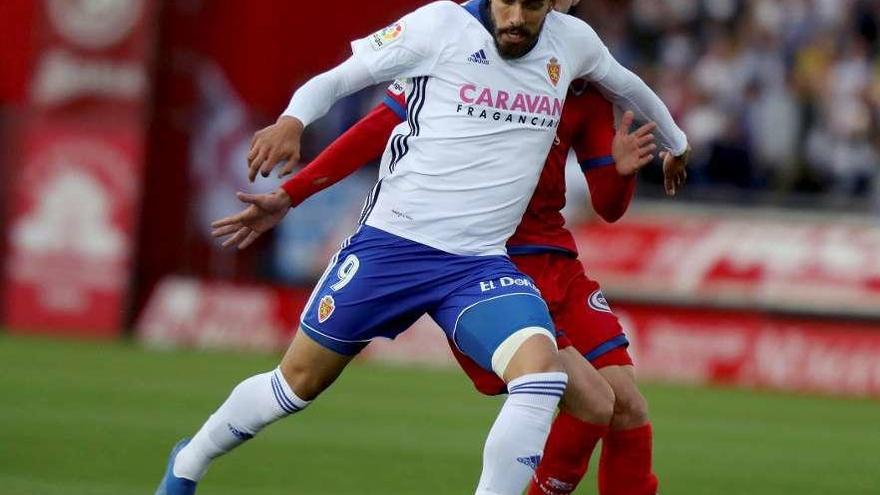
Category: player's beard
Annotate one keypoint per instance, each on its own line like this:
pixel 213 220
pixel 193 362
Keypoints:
pixel 516 50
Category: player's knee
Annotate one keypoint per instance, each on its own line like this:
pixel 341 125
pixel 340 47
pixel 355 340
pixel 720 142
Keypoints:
pixel 630 408
pixel 589 399
pixel 305 381
pixel 530 350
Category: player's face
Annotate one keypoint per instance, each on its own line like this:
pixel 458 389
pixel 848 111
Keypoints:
pixel 518 24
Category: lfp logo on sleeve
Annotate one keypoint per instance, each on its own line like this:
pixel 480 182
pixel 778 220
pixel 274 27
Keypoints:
pixel 383 38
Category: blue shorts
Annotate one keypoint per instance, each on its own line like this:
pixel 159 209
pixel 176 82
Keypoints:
pixel 379 284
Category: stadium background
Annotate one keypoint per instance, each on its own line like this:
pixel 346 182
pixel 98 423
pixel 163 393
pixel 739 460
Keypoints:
pixel 752 299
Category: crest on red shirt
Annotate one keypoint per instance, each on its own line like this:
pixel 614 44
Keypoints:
pixel 554 70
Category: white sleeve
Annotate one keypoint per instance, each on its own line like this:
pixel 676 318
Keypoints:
pixel 629 92
pixel 407 48
pixel 314 98
pixel 625 89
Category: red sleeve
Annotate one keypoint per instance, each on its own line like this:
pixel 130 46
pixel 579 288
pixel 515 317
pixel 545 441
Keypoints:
pixel 610 192
pixel 361 144
pixel 592 142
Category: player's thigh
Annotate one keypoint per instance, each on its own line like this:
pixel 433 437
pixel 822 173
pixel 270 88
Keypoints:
pixel 492 315
pixel 373 287
pixel 586 319
pixel 486 382
pixel 552 273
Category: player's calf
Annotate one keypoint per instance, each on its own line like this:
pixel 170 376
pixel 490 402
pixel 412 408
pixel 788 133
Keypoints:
pixel 625 467
pixel 254 404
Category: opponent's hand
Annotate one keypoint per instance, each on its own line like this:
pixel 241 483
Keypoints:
pixel 278 142
pixel 675 171
pixel 632 151
pixel 264 212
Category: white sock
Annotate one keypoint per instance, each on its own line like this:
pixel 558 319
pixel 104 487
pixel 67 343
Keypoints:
pixel 253 404
pixel 516 440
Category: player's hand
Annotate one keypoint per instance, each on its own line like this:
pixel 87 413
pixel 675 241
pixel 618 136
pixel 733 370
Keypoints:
pixel 675 171
pixel 632 151
pixel 264 212
pixel 276 143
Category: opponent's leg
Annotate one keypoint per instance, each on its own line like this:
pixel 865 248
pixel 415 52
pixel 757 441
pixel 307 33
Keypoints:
pixel 625 467
pixel 306 370
pixel 535 381
pixel 585 413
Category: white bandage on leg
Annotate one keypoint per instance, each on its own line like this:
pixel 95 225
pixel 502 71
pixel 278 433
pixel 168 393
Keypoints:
pixel 504 353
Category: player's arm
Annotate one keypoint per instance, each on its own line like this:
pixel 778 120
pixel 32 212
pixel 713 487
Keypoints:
pixel 609 158
pixel 361 144
pixel 407 48
pixel 627 90
pixel 356 147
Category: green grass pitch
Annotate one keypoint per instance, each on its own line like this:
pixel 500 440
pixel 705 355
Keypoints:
pixel 98 419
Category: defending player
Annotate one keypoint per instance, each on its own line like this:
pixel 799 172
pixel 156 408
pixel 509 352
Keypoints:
pixel 433 231
pixel 544 250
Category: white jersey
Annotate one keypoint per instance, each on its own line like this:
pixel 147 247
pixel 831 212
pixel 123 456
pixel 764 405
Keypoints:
pixel 459 173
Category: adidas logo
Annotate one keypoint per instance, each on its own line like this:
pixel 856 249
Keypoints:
pixel 531 461
pixel 479 58
pixel 241 435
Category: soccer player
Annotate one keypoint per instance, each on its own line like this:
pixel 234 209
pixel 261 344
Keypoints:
pixel 433 232
pixel 545 251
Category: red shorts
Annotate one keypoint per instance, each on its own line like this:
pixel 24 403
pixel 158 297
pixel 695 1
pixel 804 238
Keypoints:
pixel 580 312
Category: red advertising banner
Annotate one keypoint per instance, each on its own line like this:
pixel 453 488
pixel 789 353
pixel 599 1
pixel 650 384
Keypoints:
pixel 92 56
pixel 750 261
pixel 194 313
pixel 189 312
pixel 70 239
pixel 76 185
pixel 753 350
pixel 745 349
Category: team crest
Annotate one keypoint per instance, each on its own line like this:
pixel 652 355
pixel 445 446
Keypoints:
pixel 554 70
pixel 598 302
pixel 383 38
pixel 326 308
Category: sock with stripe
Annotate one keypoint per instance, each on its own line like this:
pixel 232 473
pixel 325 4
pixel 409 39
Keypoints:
pixel 566 455
pixel 516 441
pixel 253 404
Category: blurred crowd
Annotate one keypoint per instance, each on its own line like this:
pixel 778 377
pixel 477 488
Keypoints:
pixel 780 98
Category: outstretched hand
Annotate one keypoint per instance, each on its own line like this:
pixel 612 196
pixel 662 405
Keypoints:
pixel 271 145
pixel 632 151
pixel 264 212
pixel 675 171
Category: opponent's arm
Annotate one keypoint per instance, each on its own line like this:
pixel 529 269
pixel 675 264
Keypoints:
pixel 361 144
pixel 610 192
pixel 609 158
